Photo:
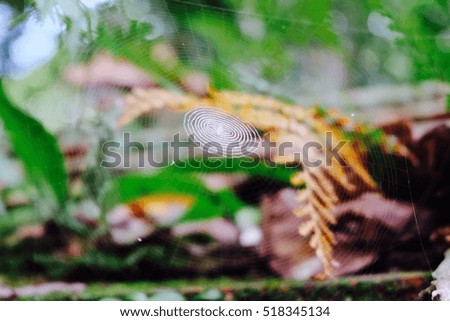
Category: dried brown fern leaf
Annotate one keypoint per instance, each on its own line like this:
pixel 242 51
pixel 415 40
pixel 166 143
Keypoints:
pixel 320 188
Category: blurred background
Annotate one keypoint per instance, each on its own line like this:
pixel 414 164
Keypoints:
pixel 66 67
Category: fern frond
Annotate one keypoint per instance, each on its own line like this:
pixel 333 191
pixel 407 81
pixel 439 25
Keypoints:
pixel 326 186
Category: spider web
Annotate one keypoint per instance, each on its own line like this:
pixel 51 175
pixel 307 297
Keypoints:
pixel 316 74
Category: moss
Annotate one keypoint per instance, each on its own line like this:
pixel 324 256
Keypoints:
pixel 403 286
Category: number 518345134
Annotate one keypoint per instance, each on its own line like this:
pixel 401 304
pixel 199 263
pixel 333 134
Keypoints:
pixel 303 311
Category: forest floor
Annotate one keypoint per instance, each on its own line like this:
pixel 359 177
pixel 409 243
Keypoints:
pixel 392 286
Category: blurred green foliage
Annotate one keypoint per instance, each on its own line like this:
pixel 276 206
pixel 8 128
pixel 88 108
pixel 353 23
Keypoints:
pixel 132 45
pixel 237 32
pixel 424 27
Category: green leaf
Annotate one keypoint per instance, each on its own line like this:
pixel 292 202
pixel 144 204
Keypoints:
pixel 232 202
pixel 206 204
pixel 248 166
pixel 36 147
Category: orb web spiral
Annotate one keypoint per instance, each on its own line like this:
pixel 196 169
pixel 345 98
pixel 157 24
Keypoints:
pixel 219 133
